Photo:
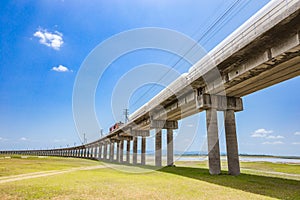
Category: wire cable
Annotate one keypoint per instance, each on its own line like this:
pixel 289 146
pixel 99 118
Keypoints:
pixel 211 27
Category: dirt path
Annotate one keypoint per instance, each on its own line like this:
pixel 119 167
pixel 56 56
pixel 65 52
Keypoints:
pixel 273 173
pixel 6 179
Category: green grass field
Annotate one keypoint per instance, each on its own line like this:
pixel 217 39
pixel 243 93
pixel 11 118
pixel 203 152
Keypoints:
pixel 188 180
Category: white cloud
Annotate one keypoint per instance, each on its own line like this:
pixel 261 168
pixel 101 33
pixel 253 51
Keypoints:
pixel 296 143
pixel 23 139
pixel 3 139
pixel 53 40
pixel 297 133
pixel 61 68
pixel 274 137
pixel 276 142
pixel 261 133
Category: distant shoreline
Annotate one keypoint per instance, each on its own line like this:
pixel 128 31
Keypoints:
pixel 246 155
pixel 243 158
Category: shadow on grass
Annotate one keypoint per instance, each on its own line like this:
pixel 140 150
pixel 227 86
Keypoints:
pixel 257 184
pixel 268 186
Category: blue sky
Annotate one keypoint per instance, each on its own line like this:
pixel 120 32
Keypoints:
pixel 43 44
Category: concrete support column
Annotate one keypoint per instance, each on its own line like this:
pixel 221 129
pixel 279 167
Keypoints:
pixel 111 152
pixel 134 155
pixel 95 151
pixel 121 150
pixel 96 156
pixel 231 143
pixel 108 151
pixel 118 151
pixel 90 152
pixel 213 141
pixel 105 152
pixel 85 152
pixel 170 159
pixel 100 152
pixel 158 153
pixel 128 152
pixel 143 155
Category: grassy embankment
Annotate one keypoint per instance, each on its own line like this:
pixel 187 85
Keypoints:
pixel 189 180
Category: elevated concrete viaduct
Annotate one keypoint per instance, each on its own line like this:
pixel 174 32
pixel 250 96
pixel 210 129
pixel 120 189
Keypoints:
pixel 262 52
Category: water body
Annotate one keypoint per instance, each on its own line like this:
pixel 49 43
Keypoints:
pixel 242 158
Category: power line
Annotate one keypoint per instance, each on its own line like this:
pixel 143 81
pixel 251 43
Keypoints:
pixel 227 11
pixel 224 22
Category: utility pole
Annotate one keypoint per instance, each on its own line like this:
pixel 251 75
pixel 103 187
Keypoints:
pixel 84 139
pixel 101 133
pixel 126 113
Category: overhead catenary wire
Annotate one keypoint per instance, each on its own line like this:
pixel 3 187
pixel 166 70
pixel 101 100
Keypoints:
pixel 205 34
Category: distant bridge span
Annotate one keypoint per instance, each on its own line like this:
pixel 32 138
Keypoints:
pixel 264 51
